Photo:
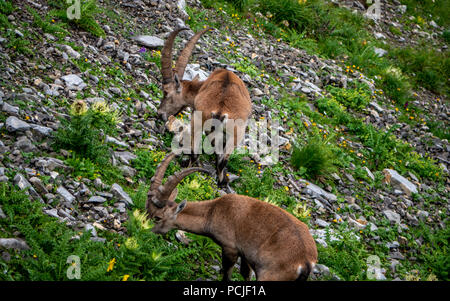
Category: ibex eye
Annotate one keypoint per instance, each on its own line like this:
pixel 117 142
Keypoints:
pixel 157 219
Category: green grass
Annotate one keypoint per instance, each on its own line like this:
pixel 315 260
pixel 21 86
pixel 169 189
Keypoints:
pixel 315 158
pixel 47 25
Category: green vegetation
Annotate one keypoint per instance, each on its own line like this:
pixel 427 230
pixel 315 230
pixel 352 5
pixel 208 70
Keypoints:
pixel 84 132
pixel 87 17
pixel 141 255
pixel 48 24
pixel 316 158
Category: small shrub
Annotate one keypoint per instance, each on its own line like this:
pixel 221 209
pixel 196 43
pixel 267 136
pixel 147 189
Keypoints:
pixel 352 98
pixel 316 157
pixel 85 130
pixel 83 167
pixel 396 85
pixel 88 12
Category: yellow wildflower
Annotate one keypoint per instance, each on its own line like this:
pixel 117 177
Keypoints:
pixel 111 265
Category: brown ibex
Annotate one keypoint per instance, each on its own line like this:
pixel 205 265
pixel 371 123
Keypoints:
pixel 223 96
pixel 269 241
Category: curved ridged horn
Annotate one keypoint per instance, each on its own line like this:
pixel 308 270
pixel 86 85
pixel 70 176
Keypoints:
pixel 186 53
pixel 166 56
pixel 175 179
pixel 160 171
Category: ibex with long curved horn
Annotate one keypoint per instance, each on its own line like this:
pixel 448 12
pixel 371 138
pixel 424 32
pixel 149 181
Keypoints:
pixel 269 241
pixel 223 96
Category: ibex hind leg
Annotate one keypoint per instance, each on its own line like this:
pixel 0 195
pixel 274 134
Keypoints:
pixel 246 270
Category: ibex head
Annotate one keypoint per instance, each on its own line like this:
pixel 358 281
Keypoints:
pixel 174 100
pixel 161 205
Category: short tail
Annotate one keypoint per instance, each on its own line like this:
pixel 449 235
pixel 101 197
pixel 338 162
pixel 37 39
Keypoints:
pixel 304 272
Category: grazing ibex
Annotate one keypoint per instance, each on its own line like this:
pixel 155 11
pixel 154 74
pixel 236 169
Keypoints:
pixel 223 96
pixel 269 241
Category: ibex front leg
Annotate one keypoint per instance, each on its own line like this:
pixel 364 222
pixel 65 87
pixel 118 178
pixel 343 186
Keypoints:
pixel 229 258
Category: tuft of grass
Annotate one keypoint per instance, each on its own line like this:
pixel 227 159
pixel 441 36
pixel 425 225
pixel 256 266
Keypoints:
pixel 315 158
pixel 428 68
pixel 46 24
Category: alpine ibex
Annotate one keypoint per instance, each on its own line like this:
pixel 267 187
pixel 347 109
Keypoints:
pixel 269 241
pixel 223 96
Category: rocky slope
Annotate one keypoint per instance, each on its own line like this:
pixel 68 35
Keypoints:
pixel 36 90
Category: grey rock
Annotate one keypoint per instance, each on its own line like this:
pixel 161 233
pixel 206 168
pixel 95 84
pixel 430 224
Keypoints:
pixel 2 214
pixel 12 110
pixel 393 245
pixel 257 92
pixel 115 91
pixel 120 194
pixel 373 227
pixel 14 124
pixel 14 243
pixel 322 223
pixel 315 190
pixel 98 183
pixel 181 4
pixel 433 24
pixel 192 70
pixel 38 185
pixel 73 82
pixel 91 228
pixel 392 216
pixel 396 180
pixel 379 35
pixel 423 215
pixel 356 224
pixel 67 196
pixel 42 130
pixel 402 9
pixel 52 212
pixel 96 199
pixel 69 50
pixel 125 157
pixel 321 269
pixel 396 255
pixel 21 181
pixel 116 142
pixel 149 41
pixel 127 171
pixel 24 144
pixel 369 173
pixel 379 51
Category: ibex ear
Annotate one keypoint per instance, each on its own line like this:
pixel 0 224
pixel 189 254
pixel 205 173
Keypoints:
pixel 180 207
pixel 177 83
pixel 173 195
